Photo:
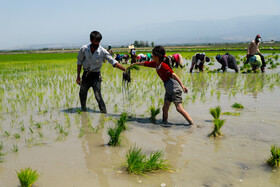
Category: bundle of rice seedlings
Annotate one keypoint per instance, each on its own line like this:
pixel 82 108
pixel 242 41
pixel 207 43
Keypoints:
pixel 215 112
pixel 27 177
pixel 114 134
pixel 237 105
pixel 154 113
pixel 217 126
pixel 274 159
pixel 123 119
pixel 139 163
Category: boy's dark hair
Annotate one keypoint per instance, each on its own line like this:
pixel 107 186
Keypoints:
pixel 207 59
pixel 95 36
pixel 159 51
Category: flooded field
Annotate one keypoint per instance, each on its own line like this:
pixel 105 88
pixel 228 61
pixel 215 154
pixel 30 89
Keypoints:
pixel 42 127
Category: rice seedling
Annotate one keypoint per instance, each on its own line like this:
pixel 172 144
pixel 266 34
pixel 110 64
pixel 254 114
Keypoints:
pixel 217 126
pixel 38 125
pixel 41 135
pixel 17 135
pixel 231 113
pixel 274 159
pixel 7 133
pixel 30 129
pixel 15 148
pixel 114 134
pixel 139 163
pixel 121 122
pixel 22 128
pixel 154 112
pixel 215 112
pixel 237 105
pixel 27 177
pixel 82 132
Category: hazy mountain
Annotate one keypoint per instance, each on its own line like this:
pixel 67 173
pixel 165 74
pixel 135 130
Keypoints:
pixel 239 29
pixel 214 31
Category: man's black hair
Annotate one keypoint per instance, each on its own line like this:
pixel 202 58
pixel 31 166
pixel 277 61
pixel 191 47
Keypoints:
pixel 159 51
pixel 207 59
pixel 95 36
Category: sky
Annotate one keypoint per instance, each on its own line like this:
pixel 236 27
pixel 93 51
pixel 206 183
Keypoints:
pixel 37 22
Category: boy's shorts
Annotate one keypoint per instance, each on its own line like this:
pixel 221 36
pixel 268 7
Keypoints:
pixel 173 91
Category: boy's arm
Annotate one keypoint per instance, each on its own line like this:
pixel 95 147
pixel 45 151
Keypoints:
pixel 119 66
pixel 139 63
pixel 174 76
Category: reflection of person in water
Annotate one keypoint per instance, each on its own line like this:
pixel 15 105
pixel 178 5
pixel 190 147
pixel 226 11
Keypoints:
pixel 96 158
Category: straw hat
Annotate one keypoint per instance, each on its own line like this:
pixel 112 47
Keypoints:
pixel 131 46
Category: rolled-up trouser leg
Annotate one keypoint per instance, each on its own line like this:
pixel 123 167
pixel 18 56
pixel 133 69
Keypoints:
pixel 97 93
pixel 83 94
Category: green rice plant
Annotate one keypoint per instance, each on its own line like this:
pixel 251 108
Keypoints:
pixel 237 105
pixel 231 113
pixel 27 177
pixel 133 67
pixel 154 112
pixel 15 148
pixel 274 159
pixel 30 129
pixel 22 128
pixel 82 132
pixel 38 125
pixel 7 133
pixel 114 134
pixel 41 135
pixel 217 128
pixel 139 163
pixel 215 112
pixel 121 122
pixel 17 135
pixel 1 146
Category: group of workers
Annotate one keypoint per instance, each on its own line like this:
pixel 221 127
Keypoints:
pixel 228 61
pixel 92 56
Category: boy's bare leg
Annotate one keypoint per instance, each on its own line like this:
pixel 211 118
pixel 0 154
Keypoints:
pixel 186 115
pixel 165 109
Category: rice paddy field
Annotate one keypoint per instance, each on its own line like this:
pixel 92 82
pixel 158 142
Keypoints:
pixel 42 126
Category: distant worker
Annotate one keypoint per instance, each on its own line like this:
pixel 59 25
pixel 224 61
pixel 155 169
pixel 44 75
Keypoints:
pixel 141 57
pixel 148 57
pixel 110 51
pixel 177 60
pixel 253 49
pixel 132 52
pixel 125 58
pixel 255 62
pixel 118 58
pixel 198 61
pixel 227 61
pixel 91 57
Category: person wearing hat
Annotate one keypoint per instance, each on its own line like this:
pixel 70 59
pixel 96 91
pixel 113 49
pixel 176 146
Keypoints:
pixel 253 49
pixel 177 60
pixel 91 57
pixel 227 61
pixel 198 61
pixel 132 52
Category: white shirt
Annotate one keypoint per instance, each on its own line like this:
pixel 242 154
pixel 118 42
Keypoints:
pixel 93 62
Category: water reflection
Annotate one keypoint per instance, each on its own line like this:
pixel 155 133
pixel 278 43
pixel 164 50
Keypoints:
pixel 95 154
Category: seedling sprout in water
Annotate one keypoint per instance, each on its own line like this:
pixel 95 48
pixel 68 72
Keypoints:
pixel 27 177
pixel 139 163
pixel 274 159
pixel 154 112
pixel 215 112
pixel 237 105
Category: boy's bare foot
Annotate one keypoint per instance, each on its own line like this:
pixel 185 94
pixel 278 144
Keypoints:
pixel 165 124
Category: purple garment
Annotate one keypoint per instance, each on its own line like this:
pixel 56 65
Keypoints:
pixel 224 60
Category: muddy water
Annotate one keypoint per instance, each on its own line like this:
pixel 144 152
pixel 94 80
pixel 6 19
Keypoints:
pixel 237 159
